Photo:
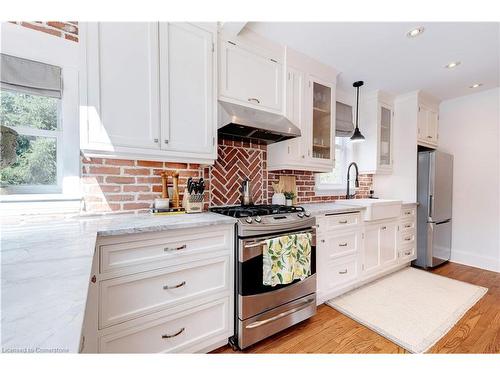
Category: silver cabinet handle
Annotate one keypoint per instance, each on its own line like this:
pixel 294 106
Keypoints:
pixel 343 272
pixel 174 248
pixel 166 141
pixel 384 227
pixel 254 100
pixel 407 238
pixel 408 253
pixel 156 140
pixel 342 221
pixel 165 287
pixel 165 336
pixel 407 212
pixel 343 244
pixel 323 241
pixel 429 136
pixel 408 226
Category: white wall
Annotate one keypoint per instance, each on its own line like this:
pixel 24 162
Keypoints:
pixel 469 129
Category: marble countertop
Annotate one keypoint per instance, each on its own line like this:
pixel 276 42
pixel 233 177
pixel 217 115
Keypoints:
pixel 329 208
pixel 46 265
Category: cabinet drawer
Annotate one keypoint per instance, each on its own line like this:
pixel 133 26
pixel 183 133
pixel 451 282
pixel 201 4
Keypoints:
pixel 136 253
pixel 332 245
pixel 174 333
pixel 340 221
pixel 406 238
pixel 407 226
pixel 408 212
pixel 338 272
pixel 406 254
pixel 128 297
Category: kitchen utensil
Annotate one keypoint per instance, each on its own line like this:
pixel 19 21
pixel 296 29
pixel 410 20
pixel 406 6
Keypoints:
pixel 175 195
pixel 164 184
pixel 201 182
pixel 246 193
pixel 190 185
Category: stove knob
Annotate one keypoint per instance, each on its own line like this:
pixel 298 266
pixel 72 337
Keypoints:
pixel 307 213
pixel 248 219
pixel 258 219
pixel 300 214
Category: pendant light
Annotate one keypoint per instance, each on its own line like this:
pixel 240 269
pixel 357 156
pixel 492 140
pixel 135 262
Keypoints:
pixel 357 136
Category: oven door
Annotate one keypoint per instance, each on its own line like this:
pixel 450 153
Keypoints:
pixel 253 296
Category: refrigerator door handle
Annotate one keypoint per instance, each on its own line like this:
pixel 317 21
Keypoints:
pixel 431 204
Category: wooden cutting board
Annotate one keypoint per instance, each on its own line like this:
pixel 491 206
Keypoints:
pixel 290 184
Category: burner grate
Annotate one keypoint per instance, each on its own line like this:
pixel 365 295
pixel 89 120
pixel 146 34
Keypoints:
pixel 255 210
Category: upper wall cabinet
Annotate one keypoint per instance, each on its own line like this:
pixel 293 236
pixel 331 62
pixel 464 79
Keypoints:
pixel 149 91
pixel 250 77
pixel 310 104
pixel 376 121
pixel 427 123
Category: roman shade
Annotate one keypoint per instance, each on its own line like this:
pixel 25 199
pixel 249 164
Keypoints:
pixel 343 121
pixel 30 77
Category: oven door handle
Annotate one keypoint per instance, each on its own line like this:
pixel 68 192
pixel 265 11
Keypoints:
pixel 259 323
pixel 261 243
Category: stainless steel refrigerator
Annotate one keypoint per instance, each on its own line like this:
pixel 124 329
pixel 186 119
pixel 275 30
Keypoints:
pixel 434 213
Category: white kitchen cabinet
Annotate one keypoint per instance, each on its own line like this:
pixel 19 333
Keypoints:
pixel 376 121
pixel 149 91
pixel 427 123
pixel 380 246
pixel 168 291
pixel 407 232
pixel 250 77
pixel 310 104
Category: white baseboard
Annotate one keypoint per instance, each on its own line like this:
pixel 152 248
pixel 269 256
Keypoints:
pixel 475 260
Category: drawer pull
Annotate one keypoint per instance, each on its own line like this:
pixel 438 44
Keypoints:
pixel 407 238
pixel 343 244
pixel 408 226
pixel 408 253
pixel 254 100
pixel 407 212
pixel 175 248
pixel 384 227
pixel 165 336
pixel 165 287
pixel 342 221
pixel 323 241
pixel 343 272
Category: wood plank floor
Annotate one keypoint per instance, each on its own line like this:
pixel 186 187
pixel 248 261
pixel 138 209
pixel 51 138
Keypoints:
pixel 332 332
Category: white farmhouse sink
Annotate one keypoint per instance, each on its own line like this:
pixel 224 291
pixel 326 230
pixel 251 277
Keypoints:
pixel 376 209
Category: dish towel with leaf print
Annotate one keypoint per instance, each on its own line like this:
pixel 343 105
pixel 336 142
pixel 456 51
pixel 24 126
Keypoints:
pixel 286 258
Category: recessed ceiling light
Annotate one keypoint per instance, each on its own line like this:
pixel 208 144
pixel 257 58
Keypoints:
pixel 475 85
pixel 452 65
pixel 415 32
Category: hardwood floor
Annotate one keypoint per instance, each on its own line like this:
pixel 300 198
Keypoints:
pixel 331 332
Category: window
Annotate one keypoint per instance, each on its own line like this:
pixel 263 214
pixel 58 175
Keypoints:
pixel 335 181
pixel 35 121
pixel 39 118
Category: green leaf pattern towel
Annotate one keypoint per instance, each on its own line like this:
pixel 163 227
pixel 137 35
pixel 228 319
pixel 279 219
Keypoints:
pixel 287 258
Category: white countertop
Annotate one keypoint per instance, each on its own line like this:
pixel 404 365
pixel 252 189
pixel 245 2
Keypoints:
pixel 46 269
pixel 329 208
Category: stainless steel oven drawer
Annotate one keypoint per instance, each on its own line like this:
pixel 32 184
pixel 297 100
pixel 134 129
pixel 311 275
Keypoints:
pixel 272 321
pixel 251 305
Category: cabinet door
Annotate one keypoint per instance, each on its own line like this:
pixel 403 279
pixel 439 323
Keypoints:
pixel 250 78
pixel 321 131
pixel 187 88
pixel 388 244
pixel 123 93
pixel 371 253
pixel 385 136
pixel 432 126
pixel 294 111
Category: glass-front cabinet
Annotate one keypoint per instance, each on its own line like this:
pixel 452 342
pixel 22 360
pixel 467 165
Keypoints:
pixel 385 137
pixel 321 121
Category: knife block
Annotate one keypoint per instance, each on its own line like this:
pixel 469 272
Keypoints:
pixel 195 203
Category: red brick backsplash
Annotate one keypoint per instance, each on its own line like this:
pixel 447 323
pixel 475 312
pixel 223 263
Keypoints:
pixel 63 29
pixel 237 160
pixel 115 185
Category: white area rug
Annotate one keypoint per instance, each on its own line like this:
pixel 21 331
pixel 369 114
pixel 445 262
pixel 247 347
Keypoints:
pixel 411 307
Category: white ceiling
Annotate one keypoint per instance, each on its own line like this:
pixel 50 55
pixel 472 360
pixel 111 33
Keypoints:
pixel 385 58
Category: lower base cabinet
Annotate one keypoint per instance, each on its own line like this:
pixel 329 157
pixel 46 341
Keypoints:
pixel 161 292
pixel 350 253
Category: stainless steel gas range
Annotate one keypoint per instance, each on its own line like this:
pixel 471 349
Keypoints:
pixel 261 310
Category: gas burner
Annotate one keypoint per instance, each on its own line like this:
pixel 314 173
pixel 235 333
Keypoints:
pixel 256 210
